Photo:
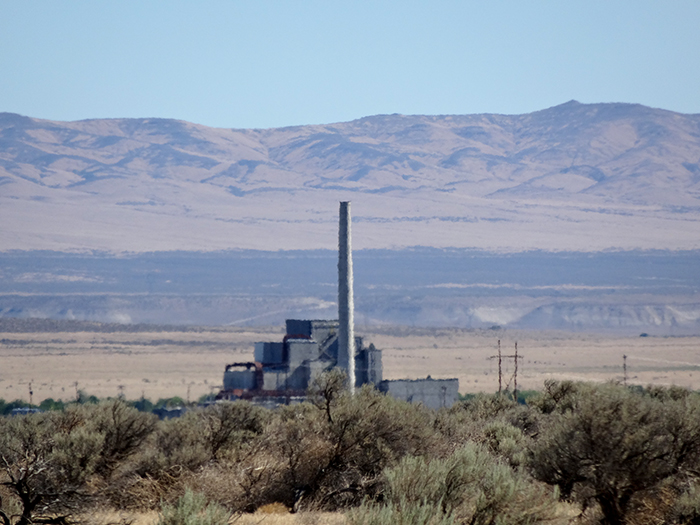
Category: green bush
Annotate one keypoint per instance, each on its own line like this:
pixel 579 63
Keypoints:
pixel 560 396
pixel 488 406
pixel 229 425
pixel 193 509
pixel 49 404
pixel 367 433
pixel 170 402
pixel 506 441
pixel 53 461
pixel 47 462
pixel 124 429
pixel 614 446
pixel 401 513
pixel 472 486
pixel 176 444
pixel 6 408
pixel 623 454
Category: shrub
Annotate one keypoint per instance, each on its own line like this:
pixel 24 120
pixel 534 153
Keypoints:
pixel 484 406
pixel 686 507
pixel 193 509
pixel 298 439
pixel 228 424
pixel 47 462
pixel 559 396
pixel 612 446
pixel 367 433
pixel 402 513
pixel 51 404
pixel 177 444
pixel 327 389
pixel 506 441
pixel 471 485
pixel 505 427
pixel 327 456
pixel 123 429
pixel 55 461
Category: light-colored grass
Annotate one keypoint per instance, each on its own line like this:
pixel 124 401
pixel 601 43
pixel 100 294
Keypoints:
pixel 258 518
pixel 301 518
pixel 162 364
pixel 109 517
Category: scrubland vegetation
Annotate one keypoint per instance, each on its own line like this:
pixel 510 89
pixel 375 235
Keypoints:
pixel 574 453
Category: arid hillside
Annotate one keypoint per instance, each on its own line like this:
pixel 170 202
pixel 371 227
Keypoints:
pixel 581 177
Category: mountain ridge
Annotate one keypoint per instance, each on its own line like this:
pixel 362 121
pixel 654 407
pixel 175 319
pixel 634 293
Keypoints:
pixel 582 177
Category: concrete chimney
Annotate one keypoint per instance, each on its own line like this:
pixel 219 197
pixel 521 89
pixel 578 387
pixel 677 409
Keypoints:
pixel 346 331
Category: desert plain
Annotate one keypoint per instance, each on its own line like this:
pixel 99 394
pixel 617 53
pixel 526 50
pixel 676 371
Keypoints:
pixel 189 363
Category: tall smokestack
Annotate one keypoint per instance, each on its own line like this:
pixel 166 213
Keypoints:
pixel 346 331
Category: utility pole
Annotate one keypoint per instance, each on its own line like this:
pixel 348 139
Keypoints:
pixel 500 368
pixel 515 374
pixel 624 369
pixel 515 358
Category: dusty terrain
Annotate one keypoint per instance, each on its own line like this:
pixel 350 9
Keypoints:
pixel 191 363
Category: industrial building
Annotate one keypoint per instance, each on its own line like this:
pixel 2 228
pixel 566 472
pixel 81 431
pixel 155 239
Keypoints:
pixel 282 371
pixel 432 393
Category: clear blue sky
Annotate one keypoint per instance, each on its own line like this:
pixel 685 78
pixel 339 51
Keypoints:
pixel 261 63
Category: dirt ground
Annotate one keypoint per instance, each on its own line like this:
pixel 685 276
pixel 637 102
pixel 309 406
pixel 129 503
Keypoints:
pixel 191 364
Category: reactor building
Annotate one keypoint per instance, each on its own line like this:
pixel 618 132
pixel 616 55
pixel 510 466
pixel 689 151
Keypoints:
pixel 282 371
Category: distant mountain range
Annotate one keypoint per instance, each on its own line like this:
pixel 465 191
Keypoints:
pixel 578 177
pixel 614 188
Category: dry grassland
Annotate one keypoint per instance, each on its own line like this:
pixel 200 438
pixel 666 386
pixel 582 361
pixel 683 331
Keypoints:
pixel 258 518
pixel 166 364
pixel 466 354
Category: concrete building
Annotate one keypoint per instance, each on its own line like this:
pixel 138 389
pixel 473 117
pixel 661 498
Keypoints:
pixel 282 371
pixel 432 393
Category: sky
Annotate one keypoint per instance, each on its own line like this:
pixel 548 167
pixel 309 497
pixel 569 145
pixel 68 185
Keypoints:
pixel 262 63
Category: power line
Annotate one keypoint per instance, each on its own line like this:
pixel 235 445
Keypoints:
pixel 514 377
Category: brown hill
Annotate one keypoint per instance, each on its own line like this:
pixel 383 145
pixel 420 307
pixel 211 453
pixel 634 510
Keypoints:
pixel 573 177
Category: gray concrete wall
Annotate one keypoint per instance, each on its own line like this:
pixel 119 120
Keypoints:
pixel 332 350
pixel 432 393
pixel 274 379
pixel 368 366
pixel 300 350
pixel 239 379
pixel 374 366
pixel 316 368
pixel 322 330
pixel 269 353
pixel 318 329
pixel 298 378
pixel 299 327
